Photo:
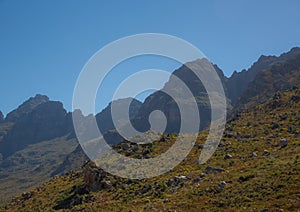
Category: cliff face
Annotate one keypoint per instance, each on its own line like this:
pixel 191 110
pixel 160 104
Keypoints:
pixel 1 117
pixel 26 107
pixel 104 118
pixel 46 121
pixel 160 100
pixel 279 77
pixel 239 81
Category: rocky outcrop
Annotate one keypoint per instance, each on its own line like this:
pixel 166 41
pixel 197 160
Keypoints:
pixel 279 77
pixel 72 162
pixel 104 118
pixel 26 107
pixel 1 117
pixel 46 121
pixel 161 101
pixel 239 81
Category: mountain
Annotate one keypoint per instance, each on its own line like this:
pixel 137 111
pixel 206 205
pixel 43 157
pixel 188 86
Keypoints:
pixel 239 81
pixel 34 142
pixel 42 122
pixel 160 100
pixel 1 117
pixel 279 77
pixel 37 140
pixel 104 118
pixel 255 168
pixel 105 124
pixel 26 107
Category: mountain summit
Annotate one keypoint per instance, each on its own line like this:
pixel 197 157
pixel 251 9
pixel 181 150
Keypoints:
pixel 239 81
pixel 26 107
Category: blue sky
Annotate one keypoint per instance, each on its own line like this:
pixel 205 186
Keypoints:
pixel 45 44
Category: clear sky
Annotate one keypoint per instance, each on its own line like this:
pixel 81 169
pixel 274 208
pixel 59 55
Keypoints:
pixel 45 44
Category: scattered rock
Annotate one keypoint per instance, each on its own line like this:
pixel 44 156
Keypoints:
pixel 202 146
pixel 228 156
pixel 274 125
pixel 266 152
pixel 295 99
pixel 166 201
pixel 163 139
pixel 125 146
pixel 247 136
pixel 202 175
pixel 282 117
pixel 228 134
pixel 264 210
pixel 176 181
pixel 290 129
pixel 135 148
pixel 181 178
pixel 221 185
pixel 210 170
pixel 27 195
pixel 146 188
pixel 196 180
pixel 145 152
pixel 253 154
pixel 94 178
pixel 283 143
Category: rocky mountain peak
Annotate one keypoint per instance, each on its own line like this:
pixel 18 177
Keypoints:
pixel 46 121
pixel 1 117
pixel 239 81
pixel 104 118
pixel 26 107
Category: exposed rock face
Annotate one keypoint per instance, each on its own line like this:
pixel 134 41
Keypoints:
pixel 46 121
pixel 94 177
pixel 163 102
pixel 1 117
pixel 210 170
pixel 104 118
pixel 279 77
pixel 26 107
pixel 239 81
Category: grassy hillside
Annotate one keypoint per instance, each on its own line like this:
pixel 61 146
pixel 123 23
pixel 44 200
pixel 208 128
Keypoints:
pixel 33 165
pixel 256 167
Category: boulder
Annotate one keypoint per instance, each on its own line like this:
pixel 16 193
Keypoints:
pixel 213 170
pixel 274 125
pixel 181 178
pixel 221 185
pixel 228 134
pixel 228 156
pixel 253 154
pixel 94 178
pixel 125 146
pixel 199 178
pixel 283 142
